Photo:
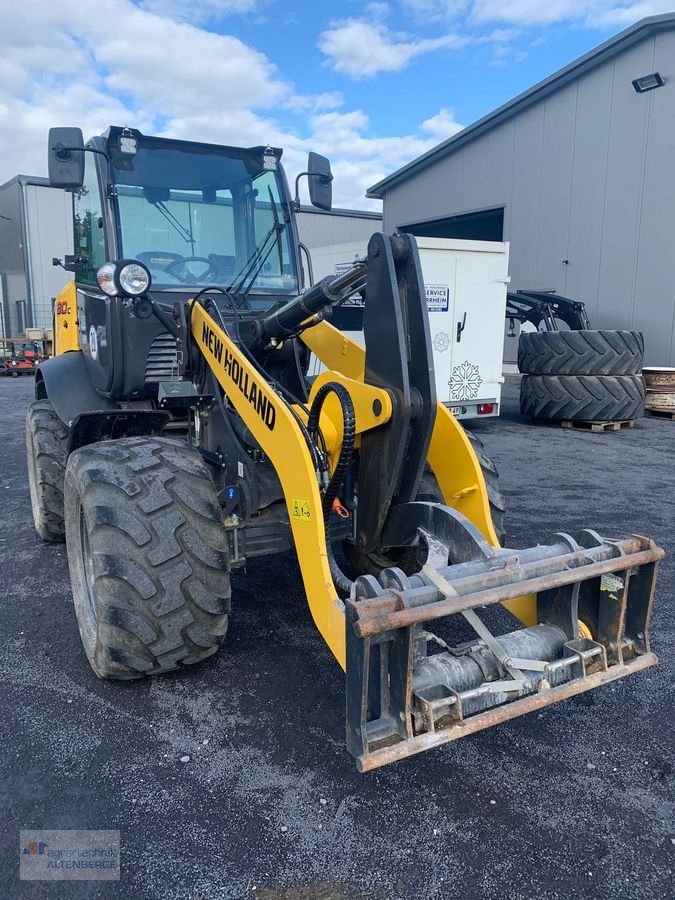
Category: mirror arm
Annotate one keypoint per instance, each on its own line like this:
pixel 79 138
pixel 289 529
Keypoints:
pixel 64 152
pixel 296 202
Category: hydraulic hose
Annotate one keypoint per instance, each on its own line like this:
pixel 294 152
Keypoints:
pixel 341 468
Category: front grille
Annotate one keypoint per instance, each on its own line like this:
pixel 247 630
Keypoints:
pixel 162 360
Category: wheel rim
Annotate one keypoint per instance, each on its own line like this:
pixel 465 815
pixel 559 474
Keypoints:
pixel 88 569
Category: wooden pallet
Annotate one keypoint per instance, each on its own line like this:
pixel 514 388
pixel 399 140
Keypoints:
pixel 587 426
pixel 660 413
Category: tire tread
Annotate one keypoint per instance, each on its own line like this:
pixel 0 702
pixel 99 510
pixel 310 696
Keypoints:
pixel 581 352
pixel 46 440
pixel 159 551
pixel 583 398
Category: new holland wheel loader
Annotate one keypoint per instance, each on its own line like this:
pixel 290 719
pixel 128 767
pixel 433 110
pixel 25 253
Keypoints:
pixel 176 435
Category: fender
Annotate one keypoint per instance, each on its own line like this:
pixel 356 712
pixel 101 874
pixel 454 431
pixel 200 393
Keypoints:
pixel 64 380
pixel 105 425
pixel 89 417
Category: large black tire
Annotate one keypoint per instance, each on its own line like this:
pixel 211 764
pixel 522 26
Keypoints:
pixel 148 556
pixel 583 398
pixel 46 441
pixel 409 560
pixel 580 353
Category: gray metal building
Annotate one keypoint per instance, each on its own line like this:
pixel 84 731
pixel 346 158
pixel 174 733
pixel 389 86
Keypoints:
pixel 35 225
pixel 578 173
pixel 339 226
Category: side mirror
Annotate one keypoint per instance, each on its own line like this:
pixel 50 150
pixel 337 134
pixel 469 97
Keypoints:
pixel 320 180
pixel 69 262
pixel 66 158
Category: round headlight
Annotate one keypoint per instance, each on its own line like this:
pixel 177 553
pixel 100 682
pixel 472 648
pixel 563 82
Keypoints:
pixel 133 279
pixel 106 278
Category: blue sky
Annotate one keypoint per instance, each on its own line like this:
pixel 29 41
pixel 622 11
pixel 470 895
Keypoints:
pixel 471 80
pixel 371 85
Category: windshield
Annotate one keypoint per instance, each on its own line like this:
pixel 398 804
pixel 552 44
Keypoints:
pixel 197 218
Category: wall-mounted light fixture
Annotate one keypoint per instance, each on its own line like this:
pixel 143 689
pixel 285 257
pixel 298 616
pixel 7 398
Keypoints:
pixel 648 82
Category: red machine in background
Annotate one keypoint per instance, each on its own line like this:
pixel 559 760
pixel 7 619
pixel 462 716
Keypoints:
pixel 20 356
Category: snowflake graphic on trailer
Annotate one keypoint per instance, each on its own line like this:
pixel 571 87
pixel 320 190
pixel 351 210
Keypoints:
pixel 441 342
pixel 465 381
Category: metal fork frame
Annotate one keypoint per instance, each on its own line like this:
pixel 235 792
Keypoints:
pixel 387 719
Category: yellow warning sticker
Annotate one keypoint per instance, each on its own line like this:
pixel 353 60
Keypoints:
pixel 301 509
pixel 612 584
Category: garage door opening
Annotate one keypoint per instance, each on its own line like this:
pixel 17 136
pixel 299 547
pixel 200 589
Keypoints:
pixel 481 225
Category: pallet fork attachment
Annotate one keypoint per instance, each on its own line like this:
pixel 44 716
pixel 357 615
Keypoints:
pixel 401 701
pixel 585 600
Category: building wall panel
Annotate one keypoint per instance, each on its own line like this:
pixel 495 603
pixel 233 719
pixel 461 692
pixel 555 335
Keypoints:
pixel 623 189
pixel 50 232
pixel 553 214
pixel 523 228
pixel 318 229
pixel 586 175
pixel 654 284
pixel 587 194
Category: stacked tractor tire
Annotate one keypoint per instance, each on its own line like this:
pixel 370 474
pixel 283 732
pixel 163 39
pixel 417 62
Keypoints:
pixel 582 376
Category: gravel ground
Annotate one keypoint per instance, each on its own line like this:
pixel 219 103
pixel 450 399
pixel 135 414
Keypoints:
pixel 577 801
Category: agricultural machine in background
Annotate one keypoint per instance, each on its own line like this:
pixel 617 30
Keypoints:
pixel 20 356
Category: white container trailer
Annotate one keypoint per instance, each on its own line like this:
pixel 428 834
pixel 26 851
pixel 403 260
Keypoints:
pixel 465 284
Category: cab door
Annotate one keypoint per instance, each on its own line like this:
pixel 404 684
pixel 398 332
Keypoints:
pixel 94 308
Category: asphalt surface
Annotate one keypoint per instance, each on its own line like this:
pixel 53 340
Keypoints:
pixel 576 801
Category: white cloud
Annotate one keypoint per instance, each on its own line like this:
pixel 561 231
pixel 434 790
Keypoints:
pixel 314 102
pixel 361 48
pixel 198 10
pixel 442 125
pixel 61 65
pixel 216 72
pixel 436 9
pixel 377 10
pixel 592 13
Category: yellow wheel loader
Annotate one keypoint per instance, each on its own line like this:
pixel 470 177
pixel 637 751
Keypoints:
pixel 179 437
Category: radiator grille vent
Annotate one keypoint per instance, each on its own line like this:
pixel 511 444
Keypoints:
pixel 161 359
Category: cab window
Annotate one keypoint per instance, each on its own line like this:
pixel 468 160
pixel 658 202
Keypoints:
pixel 89 238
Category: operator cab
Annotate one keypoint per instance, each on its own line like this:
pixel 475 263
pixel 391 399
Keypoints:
pixel 193 215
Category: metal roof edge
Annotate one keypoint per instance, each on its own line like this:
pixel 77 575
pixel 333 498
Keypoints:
pixel 26 179
pixel 604 51
pixel 350 213
pixel 34 179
